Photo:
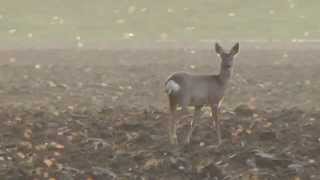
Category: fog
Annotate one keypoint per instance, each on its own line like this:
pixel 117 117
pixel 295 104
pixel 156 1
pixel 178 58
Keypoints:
pixel 85 92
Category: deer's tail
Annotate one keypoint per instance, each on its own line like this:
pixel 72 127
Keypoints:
pixel 172 87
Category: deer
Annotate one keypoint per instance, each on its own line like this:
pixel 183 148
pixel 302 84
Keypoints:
pixel 185 89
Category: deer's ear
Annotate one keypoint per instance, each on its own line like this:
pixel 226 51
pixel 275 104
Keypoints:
pixel 219 49
pixel 235 49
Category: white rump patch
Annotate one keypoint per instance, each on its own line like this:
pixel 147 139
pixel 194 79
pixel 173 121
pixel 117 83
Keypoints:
pixel 172 87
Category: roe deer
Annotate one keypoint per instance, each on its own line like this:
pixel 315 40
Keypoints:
pixel 184 89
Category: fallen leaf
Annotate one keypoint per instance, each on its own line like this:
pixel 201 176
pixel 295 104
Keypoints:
pixel 249 131
pixel 27 134
pixel 89 178
pixel 37 66
pixel 296 178
pixel 128 35
pixel 131 9
pixel 26 144
pixel 30 35
pixel 48 162
pixel 57 154
pixel 56 145
pixel 41 147
pixel 170 10
pixel 21 155
pixel 12 31
pixel 267 125
pixel 45 174
pixel 151 163
pixel 80 44
pixel 59 166
pixel 39 171
pixel 231 14
pixel 12 59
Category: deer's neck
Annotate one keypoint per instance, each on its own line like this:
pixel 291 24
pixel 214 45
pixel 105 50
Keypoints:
pixel 225 75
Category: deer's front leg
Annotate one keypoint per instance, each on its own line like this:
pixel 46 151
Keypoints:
pixel 197 112
pixel 216 121
pixel 172 124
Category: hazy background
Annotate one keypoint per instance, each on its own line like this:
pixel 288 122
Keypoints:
pixel 95 23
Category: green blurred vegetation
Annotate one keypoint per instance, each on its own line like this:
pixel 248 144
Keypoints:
pixel 61 21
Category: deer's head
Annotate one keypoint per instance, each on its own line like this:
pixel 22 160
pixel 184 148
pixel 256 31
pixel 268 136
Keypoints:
pixel 227 57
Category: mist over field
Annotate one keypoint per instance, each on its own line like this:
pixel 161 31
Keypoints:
pixel 72 23
pixel 84 91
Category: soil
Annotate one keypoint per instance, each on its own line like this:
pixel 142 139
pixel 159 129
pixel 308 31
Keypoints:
pixel 103 114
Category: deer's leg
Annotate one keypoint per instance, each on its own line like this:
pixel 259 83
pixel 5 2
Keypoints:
pixel 197 112
pixel 216 121
pixel 172 123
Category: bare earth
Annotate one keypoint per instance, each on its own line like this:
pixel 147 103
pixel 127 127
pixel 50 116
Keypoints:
pixel 102 114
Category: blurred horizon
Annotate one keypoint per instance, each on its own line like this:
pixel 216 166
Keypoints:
pixel 72 23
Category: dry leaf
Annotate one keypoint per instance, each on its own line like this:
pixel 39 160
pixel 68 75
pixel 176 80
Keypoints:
pixel 39 171
pixel 249 131
pixel 60 146
pixel 37 66
pixel 26 144
pixel 89 178
pixel 48 162
pixel 131 9
pixel 45 174
pixel 30 35
pixel 128 35
pixel 231 14
pixel 12 59
pixel 271 11
pixel 57 154
pixel 52 84
pixel 296 178
pixel 268 124
pixel 59 166
pixel 27 134
pixel 80 44
pixel 41 147
pixel 21 155
pixel 164 36
pixel 56 145
pixel 12 31
pixel 170 10
pixel 151 163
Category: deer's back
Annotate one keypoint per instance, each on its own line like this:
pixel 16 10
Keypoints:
pixel 197 89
